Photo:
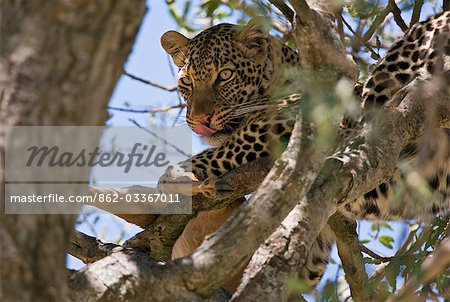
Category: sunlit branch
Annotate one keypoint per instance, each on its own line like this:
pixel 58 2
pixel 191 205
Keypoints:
pixel 89 249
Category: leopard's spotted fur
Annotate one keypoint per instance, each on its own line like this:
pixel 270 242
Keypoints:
pixel 234 111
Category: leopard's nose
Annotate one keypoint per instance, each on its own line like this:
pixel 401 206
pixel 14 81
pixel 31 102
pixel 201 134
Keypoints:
pixel 205 119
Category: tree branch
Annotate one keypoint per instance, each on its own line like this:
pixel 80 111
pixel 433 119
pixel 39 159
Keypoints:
pixel 352 260
pixel 150 83
pixel 284 9
pixel 379 19
pixel 342 179
pixel 433 266
pixel 201 273
pixel 374 255
pixel 362 41
pixel 398 15
pixel 150 110
pixel 319 43
pixel 161 231
pixel 89 249
pixel 417 9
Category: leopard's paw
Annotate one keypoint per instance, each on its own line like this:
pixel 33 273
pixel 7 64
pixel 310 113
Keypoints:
pixel 178 179
pixel 214 188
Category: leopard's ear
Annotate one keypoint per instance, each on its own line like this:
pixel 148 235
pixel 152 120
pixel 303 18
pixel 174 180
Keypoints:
pixel 254 35
pixel 176 45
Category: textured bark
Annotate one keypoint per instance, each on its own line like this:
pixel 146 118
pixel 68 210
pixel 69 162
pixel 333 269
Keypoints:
pixel 342 179
pixel 352 260
pixel 319 43
pixel 89 249
pixel 60 61
pixel 161 231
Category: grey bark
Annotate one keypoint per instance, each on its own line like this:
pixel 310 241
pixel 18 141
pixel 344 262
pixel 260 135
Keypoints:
pixel 59 63
pixel 342 179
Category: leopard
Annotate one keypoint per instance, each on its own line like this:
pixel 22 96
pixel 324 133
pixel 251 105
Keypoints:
pixel 228 75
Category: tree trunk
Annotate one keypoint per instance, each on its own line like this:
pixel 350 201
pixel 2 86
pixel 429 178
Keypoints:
pixel 60 61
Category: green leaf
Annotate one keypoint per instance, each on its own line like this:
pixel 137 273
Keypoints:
pixel 297 285
pixel 386 241
pixel 387 226
pixel 374 56
pixel 174 15
pixel 187 7
pixel 378 41
pixel 210 7
pixel 391 274
pixel 329 292
pixel 375 227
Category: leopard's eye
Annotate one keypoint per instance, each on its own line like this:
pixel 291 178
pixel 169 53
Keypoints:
pixel 186 81
pixel 225 74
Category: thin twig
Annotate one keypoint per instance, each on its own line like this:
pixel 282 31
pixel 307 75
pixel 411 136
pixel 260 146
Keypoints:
pixel 177 117
pixel 433 266
pixel 379 19
pixel 398 15
pixel 128 109
pixel 408 248
pixel 351 257
pixel 149 83
pixel 374 255
pixel 174 76
pixel 360 40
pixel 416 12
pixel 133 121
pixel 284 8
pixel 153 110
pixel 360 59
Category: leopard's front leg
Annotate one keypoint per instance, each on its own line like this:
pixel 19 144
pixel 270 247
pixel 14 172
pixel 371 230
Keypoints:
pixel 201 173
pixel 180 179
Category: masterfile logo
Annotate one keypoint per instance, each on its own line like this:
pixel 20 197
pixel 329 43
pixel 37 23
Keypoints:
pixel 53 167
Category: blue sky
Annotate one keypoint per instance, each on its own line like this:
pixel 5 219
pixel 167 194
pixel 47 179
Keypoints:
pixel 149 61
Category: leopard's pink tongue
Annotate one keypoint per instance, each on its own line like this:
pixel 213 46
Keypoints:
pixel 204 130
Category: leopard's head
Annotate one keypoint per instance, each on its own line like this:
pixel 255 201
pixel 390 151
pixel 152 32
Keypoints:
pixel 224 71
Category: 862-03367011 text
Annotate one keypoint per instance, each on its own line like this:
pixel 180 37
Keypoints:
pixel 97 198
